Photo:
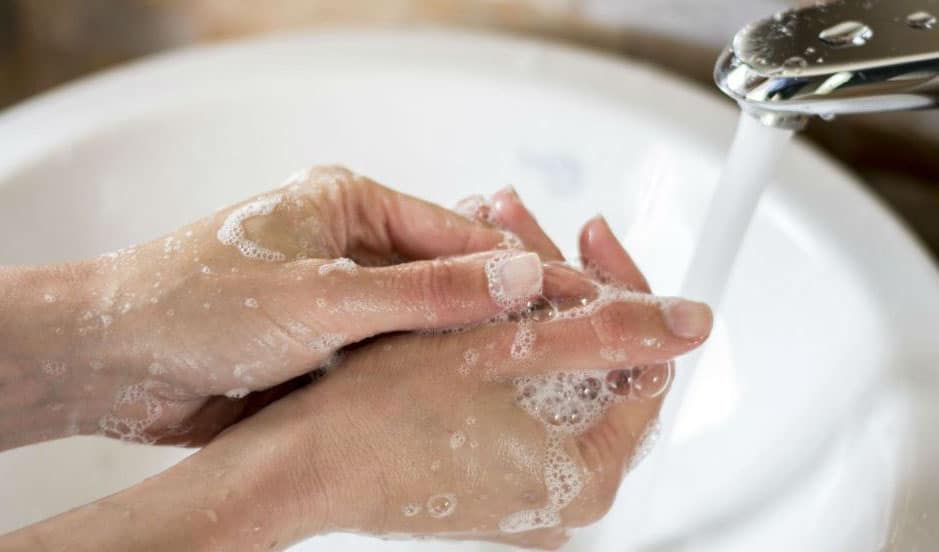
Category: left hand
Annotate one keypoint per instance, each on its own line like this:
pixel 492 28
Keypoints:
pixel 146 343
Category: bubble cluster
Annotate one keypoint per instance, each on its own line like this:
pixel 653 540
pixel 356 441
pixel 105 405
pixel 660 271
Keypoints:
pixel 171 245
pixel 479 208
pixel 493 268
pixel 441 505
pixel 470 358
pixel 232 231
pixel 524 340
pixel 54 368
pixel 568 404
pixel 474 208
pixel 251 303
pixel 510 241
pixel 339 265
pixel 135 410
pixel 327 342
pixel 457 440
pixel 640 382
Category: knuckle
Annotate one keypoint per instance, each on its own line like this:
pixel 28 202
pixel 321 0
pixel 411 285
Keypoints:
pixel 610 325
pixel 434 284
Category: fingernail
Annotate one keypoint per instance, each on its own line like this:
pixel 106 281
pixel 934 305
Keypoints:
pixel 514 278
pixel 688 319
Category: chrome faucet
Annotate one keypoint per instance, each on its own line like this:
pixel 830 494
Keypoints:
pixel 835 58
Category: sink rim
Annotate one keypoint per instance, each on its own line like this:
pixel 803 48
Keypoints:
pixel 74 107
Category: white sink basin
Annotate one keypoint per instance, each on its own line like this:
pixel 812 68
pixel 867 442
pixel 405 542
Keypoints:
pixel 809 424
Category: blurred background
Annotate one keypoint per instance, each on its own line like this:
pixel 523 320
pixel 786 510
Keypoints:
pixel 44 43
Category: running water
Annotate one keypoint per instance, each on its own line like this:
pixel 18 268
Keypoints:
pixel 750 166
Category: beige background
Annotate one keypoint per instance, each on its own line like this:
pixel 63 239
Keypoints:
pixel 47 42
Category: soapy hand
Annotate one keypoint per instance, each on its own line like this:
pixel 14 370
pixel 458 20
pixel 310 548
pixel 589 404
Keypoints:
pixel 511 431
pixel 153 342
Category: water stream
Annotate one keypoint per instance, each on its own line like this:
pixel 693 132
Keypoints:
pixel 749 168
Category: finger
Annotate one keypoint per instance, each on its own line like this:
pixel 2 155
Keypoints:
pixel 620 439
pixel 609 334
pixel 602 252
pixel 391 222
pixel 441 293
pixel 507 211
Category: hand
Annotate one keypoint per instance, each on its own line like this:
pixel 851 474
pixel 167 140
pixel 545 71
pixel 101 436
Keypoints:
pixel 510 431
pixel 145 343
pixel 469 435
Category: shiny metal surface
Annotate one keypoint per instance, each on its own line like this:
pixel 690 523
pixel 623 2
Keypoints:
pixel 850 56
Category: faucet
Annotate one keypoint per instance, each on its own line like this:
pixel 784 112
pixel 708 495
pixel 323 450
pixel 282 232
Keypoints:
pixel 835 58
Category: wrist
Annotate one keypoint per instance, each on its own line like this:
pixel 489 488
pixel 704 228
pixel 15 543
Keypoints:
pixel 275 464
pixel 49 354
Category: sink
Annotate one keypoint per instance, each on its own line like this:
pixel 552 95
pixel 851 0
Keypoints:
pixel 809 423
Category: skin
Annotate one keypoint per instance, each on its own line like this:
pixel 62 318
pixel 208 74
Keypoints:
pixel 152 315
pixel 373 436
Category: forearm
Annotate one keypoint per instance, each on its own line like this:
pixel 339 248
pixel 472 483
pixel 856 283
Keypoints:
pixel 49 385
pixel 188 507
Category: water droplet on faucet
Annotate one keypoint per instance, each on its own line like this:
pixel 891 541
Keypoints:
pixel 795 64
pixel 847 33
pixel 921 20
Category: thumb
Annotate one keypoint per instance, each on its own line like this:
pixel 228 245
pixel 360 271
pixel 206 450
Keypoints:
pixel 435 294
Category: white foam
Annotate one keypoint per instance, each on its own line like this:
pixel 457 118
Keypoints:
pixel 327 343
pixel 567 404
pixel 132 428
pixel 524 340
pixel 238 393
pixel 171 245
pixel 339 265
pixel 251 303
pixel 493 269
pixel 232 231
pixel 55 368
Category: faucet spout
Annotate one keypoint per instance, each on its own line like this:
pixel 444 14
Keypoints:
pixel 836 58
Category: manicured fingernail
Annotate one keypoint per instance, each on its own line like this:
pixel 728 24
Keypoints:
pixel 688 319
pixel 514 278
